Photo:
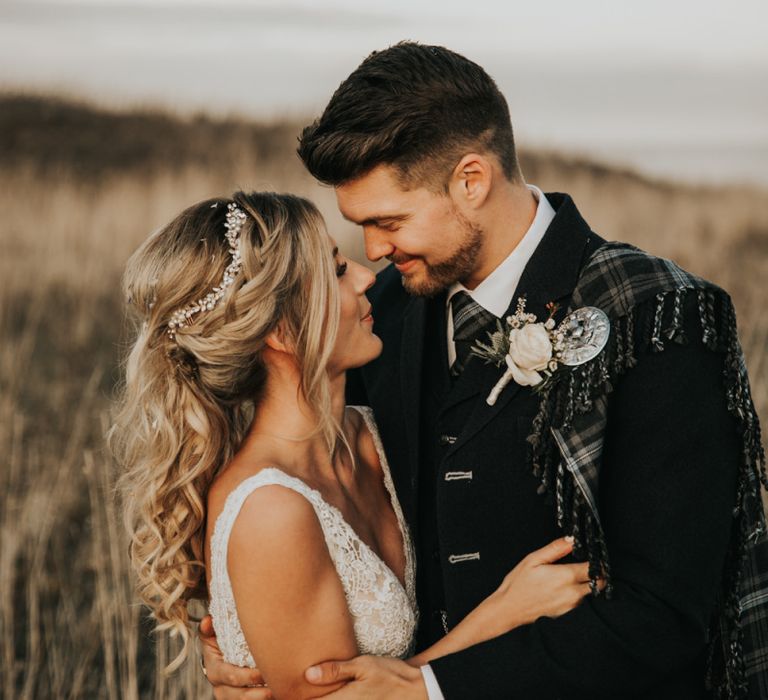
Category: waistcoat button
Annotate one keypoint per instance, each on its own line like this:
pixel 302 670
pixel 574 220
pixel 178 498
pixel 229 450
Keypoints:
pixel 459 558
pixel 458 476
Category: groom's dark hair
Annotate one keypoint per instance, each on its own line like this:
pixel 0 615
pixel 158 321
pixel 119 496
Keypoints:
pixel 418 108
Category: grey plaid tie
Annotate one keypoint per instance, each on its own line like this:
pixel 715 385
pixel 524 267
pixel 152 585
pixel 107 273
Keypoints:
pixel 469 320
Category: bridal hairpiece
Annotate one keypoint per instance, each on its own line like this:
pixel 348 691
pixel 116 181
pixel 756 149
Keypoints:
pixel 234 224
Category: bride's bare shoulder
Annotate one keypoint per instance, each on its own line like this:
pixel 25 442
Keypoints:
pixel 269 503
pixel 275 518
pixel 242 466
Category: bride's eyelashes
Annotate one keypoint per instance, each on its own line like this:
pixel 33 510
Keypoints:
pixel 341 268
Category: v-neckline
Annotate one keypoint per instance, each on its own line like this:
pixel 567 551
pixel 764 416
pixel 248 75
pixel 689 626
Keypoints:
pixel 408 564
pixel 351 531
pixel 406 582
pixel 402 582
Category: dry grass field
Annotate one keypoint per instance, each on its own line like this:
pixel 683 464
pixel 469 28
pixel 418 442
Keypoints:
pixel 79 188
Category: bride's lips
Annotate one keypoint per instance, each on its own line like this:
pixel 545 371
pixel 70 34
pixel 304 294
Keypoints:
pixel 368 316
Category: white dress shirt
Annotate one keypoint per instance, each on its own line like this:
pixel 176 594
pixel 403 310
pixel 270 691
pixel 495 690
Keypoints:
pixel 494 294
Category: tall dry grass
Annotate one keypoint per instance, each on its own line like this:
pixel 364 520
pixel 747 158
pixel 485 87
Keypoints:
pixel 78 190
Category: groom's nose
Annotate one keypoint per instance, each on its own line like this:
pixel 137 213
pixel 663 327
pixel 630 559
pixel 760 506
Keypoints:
pixel 377 244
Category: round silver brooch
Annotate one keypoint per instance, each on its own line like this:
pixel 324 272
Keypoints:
pixel 582 335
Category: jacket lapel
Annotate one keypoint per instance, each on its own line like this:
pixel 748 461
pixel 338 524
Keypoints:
pixel 550 275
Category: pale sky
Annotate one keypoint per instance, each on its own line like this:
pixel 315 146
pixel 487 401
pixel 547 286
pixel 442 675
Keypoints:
pixel 711 31
pixel 589 74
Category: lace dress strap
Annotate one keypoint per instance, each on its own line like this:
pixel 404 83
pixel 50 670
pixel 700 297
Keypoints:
pixel 222 604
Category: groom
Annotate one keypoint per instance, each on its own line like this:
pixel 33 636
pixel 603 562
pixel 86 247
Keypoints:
pixel 648 454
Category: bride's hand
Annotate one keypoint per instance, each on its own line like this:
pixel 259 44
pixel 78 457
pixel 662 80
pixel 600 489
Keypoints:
pixel 539 587
pixel 536 587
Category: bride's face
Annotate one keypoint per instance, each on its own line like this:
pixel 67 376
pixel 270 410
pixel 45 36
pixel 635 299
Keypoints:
pixel 355 342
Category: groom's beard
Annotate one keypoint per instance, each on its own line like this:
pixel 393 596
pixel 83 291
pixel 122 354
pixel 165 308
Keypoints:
pixel 436 277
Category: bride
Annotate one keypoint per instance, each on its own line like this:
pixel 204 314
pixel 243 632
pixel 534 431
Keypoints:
pixel 248 482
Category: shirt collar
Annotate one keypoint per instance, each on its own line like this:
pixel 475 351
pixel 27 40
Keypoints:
pixel 495 292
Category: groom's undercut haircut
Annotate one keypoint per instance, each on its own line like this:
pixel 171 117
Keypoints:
pixel 418 108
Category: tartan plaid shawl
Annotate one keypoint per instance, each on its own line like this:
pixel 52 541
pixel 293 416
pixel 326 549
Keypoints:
pixel 645 299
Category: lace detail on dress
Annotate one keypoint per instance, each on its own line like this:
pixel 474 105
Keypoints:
pixel 384 613
pixel 410 554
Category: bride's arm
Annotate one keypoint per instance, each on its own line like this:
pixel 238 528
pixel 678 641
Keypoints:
pixel 289 598
pixel 536 587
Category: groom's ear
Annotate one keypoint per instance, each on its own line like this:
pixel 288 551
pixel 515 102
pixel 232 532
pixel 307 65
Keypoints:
pixel 471 181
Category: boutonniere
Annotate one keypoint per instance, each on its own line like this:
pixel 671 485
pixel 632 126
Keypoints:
pixel 535 351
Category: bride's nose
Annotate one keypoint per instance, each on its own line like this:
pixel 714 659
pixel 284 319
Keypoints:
pixel 364 278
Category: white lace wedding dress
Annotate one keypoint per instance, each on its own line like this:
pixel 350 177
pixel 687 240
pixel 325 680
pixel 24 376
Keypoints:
pixel 383 612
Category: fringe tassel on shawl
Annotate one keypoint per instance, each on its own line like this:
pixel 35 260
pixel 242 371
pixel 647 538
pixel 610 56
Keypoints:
pixel 576 394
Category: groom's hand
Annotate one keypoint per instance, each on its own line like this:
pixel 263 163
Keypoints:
pixel 229 682
pixel 370 678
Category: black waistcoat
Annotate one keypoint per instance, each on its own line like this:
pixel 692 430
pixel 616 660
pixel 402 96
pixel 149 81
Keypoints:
pixel 447 405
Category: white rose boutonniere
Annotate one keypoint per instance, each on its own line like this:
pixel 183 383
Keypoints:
pixel 534 351
pixel 530 351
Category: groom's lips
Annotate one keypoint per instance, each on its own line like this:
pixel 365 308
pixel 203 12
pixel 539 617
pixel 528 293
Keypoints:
pixel 405 265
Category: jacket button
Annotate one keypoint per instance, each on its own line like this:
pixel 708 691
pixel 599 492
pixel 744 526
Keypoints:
pixel 447 439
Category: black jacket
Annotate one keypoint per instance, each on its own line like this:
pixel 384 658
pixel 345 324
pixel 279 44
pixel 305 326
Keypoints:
pixel 461 470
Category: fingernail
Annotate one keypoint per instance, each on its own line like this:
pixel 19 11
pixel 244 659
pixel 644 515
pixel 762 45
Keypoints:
pixel 313 674
pixel 569 539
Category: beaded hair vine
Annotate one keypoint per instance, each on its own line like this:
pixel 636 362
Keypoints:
pixel 234 224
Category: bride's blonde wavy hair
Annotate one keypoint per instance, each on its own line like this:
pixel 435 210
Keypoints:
pixel 187 401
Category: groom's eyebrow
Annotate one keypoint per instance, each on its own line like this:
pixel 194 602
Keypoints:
pixel 377 219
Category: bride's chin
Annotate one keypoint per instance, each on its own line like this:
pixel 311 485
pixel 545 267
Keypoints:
pixel 368 353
